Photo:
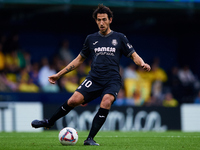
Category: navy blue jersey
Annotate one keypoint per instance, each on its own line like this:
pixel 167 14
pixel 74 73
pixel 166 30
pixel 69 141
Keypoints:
pixel 106 52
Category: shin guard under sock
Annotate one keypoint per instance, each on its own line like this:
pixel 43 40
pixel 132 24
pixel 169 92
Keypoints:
pixel 98 121
pixel 61 111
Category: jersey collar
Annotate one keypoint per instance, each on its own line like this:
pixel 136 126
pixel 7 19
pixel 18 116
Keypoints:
pixel 106 35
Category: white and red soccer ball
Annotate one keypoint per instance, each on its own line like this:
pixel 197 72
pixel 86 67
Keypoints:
pixel 68 136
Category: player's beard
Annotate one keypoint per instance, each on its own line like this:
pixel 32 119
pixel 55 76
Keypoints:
pixel 104 31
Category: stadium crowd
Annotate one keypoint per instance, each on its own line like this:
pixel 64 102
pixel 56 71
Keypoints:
pixel 155 88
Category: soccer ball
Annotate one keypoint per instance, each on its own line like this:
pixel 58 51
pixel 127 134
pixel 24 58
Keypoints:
pixel 68 136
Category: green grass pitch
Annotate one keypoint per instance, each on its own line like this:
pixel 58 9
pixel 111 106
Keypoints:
pixel 110 140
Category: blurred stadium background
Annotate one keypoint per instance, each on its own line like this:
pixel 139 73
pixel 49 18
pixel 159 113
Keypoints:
pixel 40 37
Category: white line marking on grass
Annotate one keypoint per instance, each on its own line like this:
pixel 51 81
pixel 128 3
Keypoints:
pixel 23 136
pixel 153 136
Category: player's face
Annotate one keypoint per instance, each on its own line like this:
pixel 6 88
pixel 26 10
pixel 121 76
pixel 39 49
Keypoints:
pixel 103 23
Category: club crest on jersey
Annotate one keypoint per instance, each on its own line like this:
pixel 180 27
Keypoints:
pixel 114 42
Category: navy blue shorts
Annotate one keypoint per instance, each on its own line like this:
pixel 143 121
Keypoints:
pixel 92 89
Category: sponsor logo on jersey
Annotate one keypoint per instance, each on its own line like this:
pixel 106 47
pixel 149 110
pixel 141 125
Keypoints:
pixel 114 42
pixel 105 49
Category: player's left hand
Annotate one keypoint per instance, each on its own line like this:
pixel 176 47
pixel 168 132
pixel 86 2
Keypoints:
pixel 146 67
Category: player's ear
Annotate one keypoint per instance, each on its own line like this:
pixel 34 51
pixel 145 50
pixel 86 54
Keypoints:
pixel 96 21
pixel 110 20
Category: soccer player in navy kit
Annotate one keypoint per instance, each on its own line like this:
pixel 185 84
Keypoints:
pixel 106 48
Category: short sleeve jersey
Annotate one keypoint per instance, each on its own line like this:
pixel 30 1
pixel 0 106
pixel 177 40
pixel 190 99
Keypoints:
pixel 106 52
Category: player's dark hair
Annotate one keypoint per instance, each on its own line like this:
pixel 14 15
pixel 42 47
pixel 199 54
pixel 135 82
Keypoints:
pixel 101 9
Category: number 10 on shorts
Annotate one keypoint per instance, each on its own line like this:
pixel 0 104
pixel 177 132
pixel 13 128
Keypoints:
pixel 87 83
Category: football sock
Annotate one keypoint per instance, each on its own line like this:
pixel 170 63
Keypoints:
pixel 98 121
pixel 61 111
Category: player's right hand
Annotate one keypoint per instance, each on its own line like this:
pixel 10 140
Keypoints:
pixel 52 79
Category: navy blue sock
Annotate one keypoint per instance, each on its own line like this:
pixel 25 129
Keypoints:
pixel 61 111
pixel 98 122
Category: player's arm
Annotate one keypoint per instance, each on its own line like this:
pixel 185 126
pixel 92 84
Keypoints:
pixel 139 61
pixel 71 66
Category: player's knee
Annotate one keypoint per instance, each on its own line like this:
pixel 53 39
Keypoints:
pixel 106 104
pixel 107 101
pixel 73 102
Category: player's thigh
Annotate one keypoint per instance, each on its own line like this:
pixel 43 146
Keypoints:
pixel 110 92
pixel 90 90
pixel 76 99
